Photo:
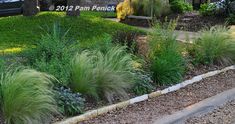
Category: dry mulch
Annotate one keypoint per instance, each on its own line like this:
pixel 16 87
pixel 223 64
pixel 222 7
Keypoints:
pixel 148 111
pixel 221 115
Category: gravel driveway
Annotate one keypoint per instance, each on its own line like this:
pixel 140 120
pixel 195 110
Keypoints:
pixel 222 115
pixel 148 111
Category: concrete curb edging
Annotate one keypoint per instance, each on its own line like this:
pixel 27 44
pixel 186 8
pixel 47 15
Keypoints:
pixel 94 113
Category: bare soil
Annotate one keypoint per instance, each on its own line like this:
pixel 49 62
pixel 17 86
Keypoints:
pixel 148 111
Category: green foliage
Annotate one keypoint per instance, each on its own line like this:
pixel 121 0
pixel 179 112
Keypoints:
pixel 52 54
pixel 215 46
pixel 168 66
pixel 69 103
pixel 162 35
pixel 167 63
pixel 88 28
pixel 143 83
pixel 2 65
pixel 60 68
pixel 231 19
pixel 180 6
pixel 103 75
pixel 151 7
pixel 103 45
pixel 27 97
pixel 207 9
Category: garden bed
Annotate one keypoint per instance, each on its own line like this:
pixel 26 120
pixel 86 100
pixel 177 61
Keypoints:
pixel 190 21
pixel 94 62
pixel 150 110
pixel 91 105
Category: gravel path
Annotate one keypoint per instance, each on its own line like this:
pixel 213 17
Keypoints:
pixel 222 115
pixel 148 111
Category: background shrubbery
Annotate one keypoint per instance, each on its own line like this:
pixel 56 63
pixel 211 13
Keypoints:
pixel 151 7
pixel 231 19
pixel 207 9
pixel 180 6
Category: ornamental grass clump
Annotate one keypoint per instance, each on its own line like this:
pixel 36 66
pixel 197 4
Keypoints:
pixel 166 60
pixel 53 53
pixel 214 46
pixel 26 97
pixel 103 75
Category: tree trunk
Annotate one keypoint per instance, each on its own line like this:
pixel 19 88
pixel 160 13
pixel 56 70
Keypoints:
pixel 31 7
pixel 73 4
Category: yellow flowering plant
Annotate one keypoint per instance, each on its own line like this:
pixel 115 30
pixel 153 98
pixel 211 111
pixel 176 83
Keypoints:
pixel 124 9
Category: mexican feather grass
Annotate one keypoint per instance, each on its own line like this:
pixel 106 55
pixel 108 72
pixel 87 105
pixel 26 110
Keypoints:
pixel 103 75
pixel 26 97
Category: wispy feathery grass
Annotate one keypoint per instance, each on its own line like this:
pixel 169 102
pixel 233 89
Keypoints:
pixel 214 46
pixel 103 75
pixel 27 97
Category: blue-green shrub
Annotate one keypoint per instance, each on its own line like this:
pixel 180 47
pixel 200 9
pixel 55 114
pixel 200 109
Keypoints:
pixel 69 103
pixel 143 83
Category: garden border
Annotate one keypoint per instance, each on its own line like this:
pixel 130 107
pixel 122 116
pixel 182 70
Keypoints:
pixel 94 113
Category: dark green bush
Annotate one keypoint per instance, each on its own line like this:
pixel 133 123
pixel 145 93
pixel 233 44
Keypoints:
pixel 167 62
pixel 180 6
pixel 207 9
pixel 231 19
pixel 69 103
pixel 214 46
pixel 168 67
